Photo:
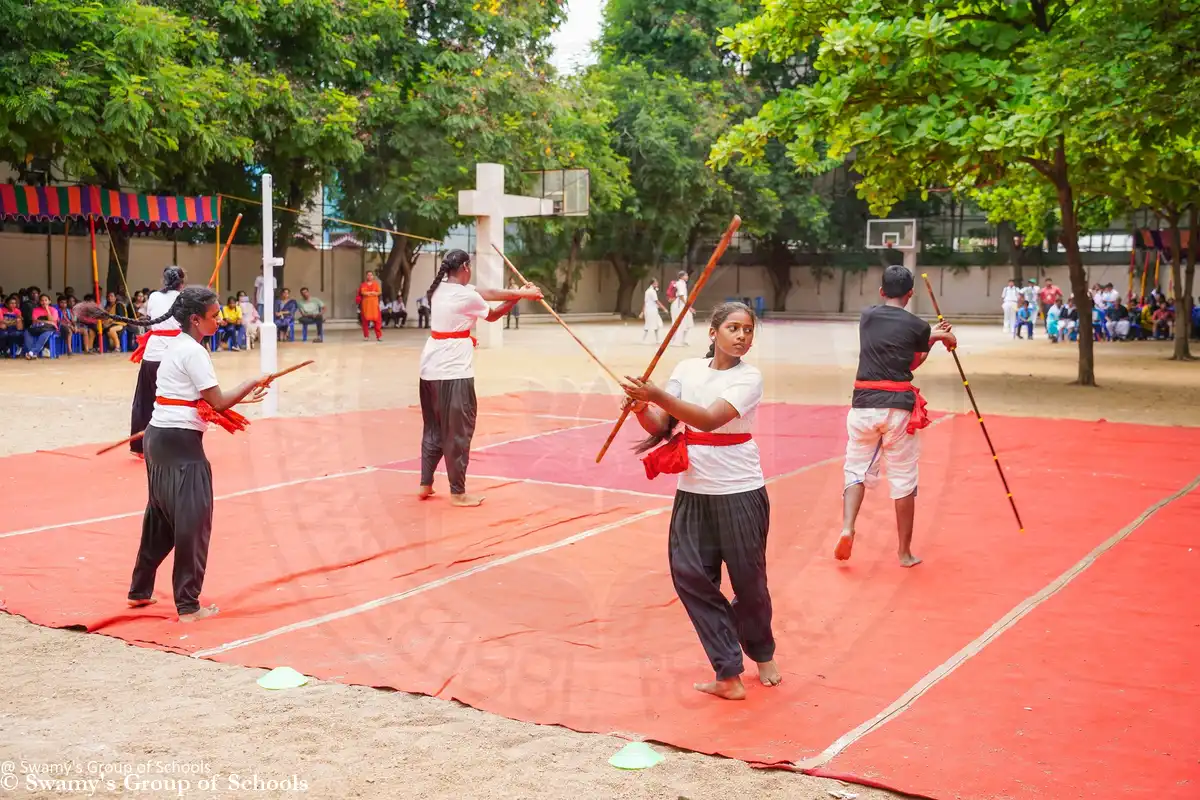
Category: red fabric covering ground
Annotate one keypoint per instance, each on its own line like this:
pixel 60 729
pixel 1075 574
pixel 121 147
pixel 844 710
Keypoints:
pixel 589 634
pixel 789 437
pixel 1094 694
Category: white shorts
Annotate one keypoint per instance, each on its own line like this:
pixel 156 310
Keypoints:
pixel 879 436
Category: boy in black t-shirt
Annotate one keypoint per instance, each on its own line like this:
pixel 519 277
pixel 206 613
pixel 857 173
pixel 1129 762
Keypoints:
pixel 887 410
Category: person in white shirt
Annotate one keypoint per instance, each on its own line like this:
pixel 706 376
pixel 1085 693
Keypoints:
pixel 652 322
pixel 151 346
pixel 251 321
pixel 1010 298
pixel 447 373
pixel 677 304
pixel 722 511
pixel 179 510
pixel 1030 293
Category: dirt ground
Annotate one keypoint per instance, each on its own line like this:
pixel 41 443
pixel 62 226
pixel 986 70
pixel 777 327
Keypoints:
pixel 71 696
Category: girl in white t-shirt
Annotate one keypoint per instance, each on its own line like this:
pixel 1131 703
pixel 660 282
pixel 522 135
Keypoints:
pixel 721 512
pixel 187 397
pixel 677 304
pixel 151 346
pixel 447 370
pixel 650 306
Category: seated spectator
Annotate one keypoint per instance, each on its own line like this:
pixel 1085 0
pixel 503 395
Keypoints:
pixel 1053 315
pixel 422 312
pixel 229 324
pixel 395 312
pixel 43 328
pixel 113 330
pixel 12 325
pixel 251 321
pixel 1118 324
pixel 66 324
pixel 1068 322
pixel 285 313
pixel 1196 319
pixel 1163 317
pixel 1024 319
pixel 312 312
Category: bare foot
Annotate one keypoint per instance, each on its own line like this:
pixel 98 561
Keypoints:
pixel 844 546
pixel 142 603
pixel 466 500
pixel 426 493
pixel 909 560
pixel 727 690
pixel 201 614
pixel 769 674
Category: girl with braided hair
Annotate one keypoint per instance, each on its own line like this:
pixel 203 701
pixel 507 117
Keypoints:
pixel 721 513
pixel 179 510
pixel 151 346
pixel 447 370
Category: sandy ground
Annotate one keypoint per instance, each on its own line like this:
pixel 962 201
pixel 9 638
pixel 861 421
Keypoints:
pixel 94 700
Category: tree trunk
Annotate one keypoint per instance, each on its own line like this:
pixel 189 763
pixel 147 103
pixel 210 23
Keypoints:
pixel 1079 287
pixel 118 262
pixel 779 270
pixel 626 283
pixel 396 273
pixel 1182 313
pixel 1006 236
pixel 562 291
pixel 1189 277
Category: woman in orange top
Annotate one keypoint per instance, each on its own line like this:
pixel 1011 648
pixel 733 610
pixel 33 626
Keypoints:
pixel 368 306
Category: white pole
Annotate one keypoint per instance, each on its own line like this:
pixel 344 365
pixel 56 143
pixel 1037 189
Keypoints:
pixel 266 339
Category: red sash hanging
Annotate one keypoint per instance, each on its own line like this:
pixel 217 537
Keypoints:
pixel 455 335
pixel 144 340
pixel 920 416
pixel 672 457
pixel 228 419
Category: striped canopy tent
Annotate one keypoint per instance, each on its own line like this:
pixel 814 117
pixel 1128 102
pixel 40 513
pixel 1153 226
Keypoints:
pixel 1149 239
pixel 60 203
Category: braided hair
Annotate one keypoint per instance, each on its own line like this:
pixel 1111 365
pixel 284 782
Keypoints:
pixel 719 315
pixel 452 262
pixel 194 300
pixel 173 278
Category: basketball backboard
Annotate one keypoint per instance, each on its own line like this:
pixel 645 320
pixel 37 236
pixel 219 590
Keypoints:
pixel 570 189
pixel 891 234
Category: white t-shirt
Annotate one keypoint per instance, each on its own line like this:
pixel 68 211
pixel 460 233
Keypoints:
pixel 258 290
pixel 1011 294
pixel 455 307
pixel 157 304
pixel 186 370
pixel 730 469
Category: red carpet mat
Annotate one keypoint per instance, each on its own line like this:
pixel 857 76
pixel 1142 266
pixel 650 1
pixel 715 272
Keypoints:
pixel 553 604
pixel 1093 694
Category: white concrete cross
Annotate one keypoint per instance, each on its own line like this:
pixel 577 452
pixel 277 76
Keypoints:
pixel 488 203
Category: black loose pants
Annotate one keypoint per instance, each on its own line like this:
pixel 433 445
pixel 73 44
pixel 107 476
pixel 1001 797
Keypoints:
pixel 448 410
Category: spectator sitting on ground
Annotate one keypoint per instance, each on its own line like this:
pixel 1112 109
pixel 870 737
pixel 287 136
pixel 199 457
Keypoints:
pixel 285 313
pixel 229 324
pixel 312 312
pixel 1024 319
pixel 395 312
pixel 12 325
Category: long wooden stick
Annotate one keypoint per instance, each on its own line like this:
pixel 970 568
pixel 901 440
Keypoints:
pixel 554 314
pixel 224 252
pixel 691 300
pixel 974 405
pixel 270 379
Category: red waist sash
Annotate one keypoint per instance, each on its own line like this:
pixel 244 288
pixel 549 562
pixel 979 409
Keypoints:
pixel 920 417
pixel 144 340
pixel 228 419
pixel 672 457
pixel 455 335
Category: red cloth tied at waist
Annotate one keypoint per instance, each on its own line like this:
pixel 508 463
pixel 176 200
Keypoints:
pixel 228 419
pixel 672 457
pixel 920 417
pixel 455 335
pixel 144 340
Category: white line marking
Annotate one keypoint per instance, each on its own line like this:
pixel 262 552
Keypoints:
pixel 425 587
pixel 297 482
pixel 540 435
pixel 242 493
pixel 1010 619
pixel 511 479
